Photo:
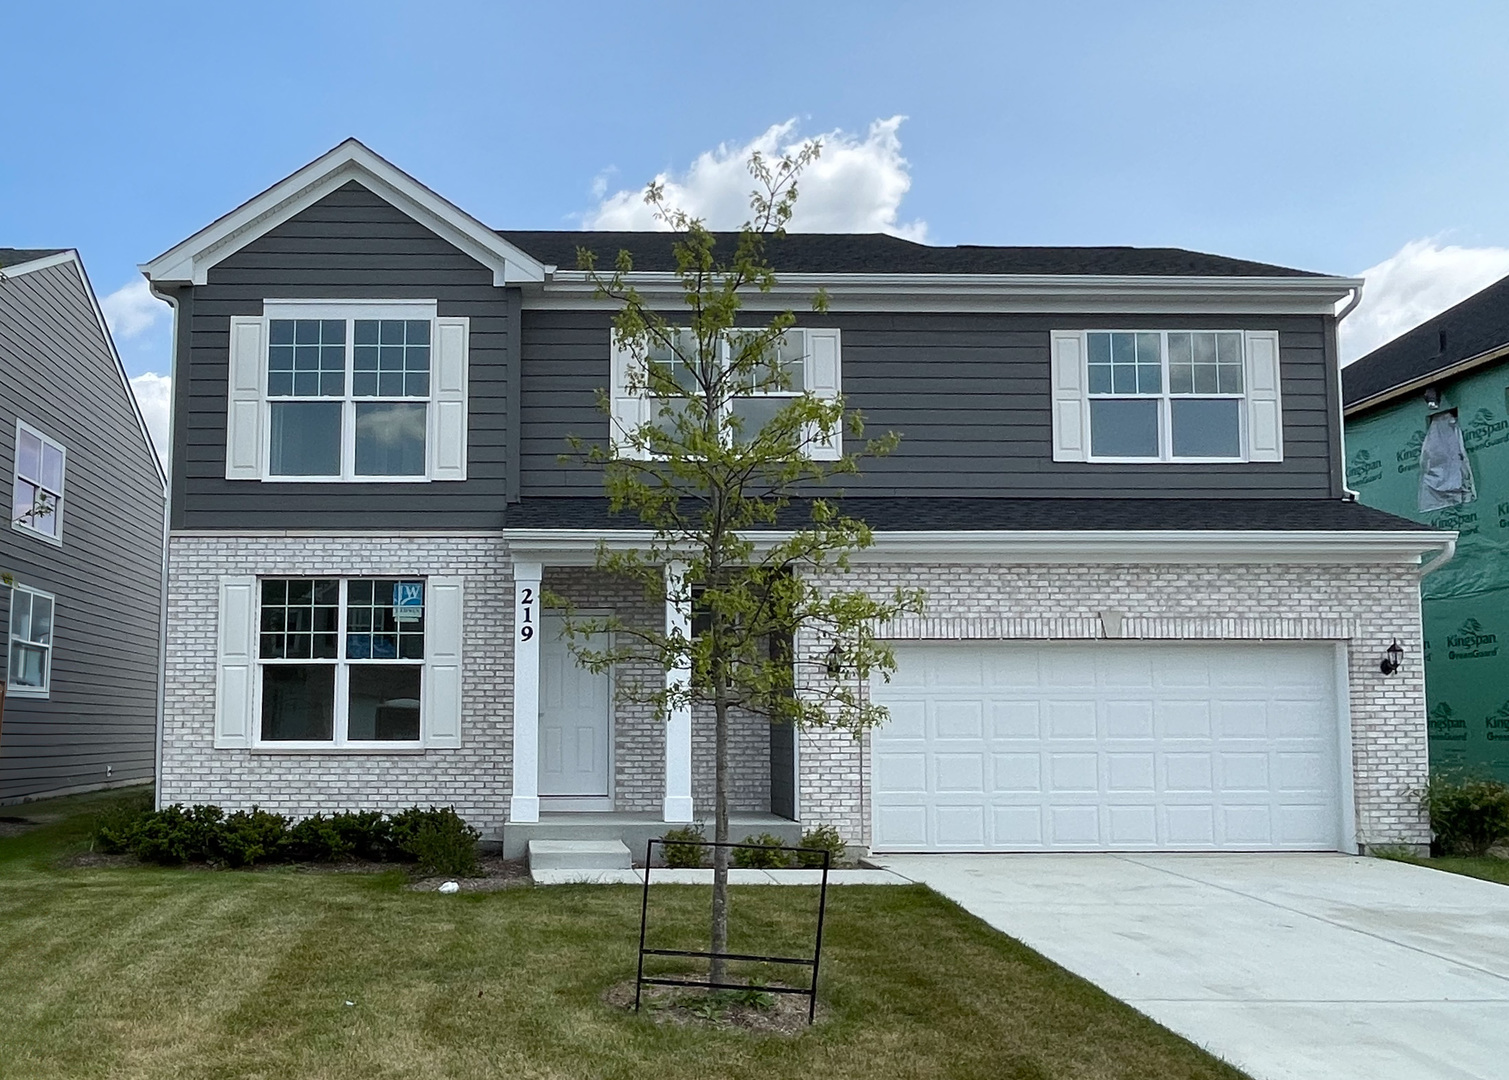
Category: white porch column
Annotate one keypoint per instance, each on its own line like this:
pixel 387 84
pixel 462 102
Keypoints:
pixel 525 804
pixel 678 726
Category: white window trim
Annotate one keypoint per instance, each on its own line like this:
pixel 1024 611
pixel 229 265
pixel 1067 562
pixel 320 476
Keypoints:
pixel 342 719
pixel 1080 390
pixel 811 441
pixel 23 427
pixel 32 692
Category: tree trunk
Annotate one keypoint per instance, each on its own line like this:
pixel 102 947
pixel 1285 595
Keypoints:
pixel 718 970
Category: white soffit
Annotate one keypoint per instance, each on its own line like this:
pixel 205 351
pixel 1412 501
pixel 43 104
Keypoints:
pixel 188 263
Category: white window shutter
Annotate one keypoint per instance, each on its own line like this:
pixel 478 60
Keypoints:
pixel 235 680
pixel 448 415
pixel 243 407
pixel 824 378
pixel 442 670
pixel 628 409
pixel 1070 405
pixel 1265 411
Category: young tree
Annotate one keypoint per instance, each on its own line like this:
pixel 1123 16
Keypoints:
pixel 711 473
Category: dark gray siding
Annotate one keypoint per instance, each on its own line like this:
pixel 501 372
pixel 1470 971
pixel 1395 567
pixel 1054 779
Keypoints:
pixel 969 394
pixel 350 245
pixel 57 373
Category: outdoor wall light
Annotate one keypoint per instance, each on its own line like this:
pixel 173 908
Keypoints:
pixel 1392 658
pixel 835 662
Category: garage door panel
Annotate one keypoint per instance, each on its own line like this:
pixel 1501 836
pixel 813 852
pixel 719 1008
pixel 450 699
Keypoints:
pixel 1076 746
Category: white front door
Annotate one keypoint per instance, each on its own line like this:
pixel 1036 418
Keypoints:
pixel 574 719
pixel 1110 746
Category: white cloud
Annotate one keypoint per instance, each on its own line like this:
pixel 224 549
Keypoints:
pixel 1416 283
pixel 154 393
pixel 132 310
pixel 856 185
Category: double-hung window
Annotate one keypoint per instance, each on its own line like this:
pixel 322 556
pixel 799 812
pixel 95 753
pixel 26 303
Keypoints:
pixel 1166 396
pixel 807 357
pixel 29 672
pixel 341 661
pixel 356 391
pixel 37 491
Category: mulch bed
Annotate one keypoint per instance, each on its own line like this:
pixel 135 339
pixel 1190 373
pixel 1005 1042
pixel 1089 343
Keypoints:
pixel 495 872
pixel 780 1014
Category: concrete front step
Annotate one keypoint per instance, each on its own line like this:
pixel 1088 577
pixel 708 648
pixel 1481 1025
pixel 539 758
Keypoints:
pixel 579 855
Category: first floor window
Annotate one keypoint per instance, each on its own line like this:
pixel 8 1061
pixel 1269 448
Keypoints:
pixel 30 669
pixel 341 660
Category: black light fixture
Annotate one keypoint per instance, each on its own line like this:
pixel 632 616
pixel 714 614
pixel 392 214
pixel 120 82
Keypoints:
pixel 835 661
pixel 1392 658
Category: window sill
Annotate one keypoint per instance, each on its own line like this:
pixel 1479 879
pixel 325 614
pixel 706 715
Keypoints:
pixel 341 751
pixel 29 693
pixel 55 541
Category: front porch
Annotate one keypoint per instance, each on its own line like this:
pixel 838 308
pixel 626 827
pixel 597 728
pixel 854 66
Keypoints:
pixel 589 764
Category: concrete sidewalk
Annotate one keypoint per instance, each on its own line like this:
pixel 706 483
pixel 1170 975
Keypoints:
pixel 1288 966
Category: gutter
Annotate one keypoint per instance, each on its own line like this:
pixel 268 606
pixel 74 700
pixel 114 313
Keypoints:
pixel 1442 559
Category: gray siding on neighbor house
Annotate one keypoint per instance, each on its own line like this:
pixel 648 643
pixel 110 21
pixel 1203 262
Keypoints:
pixel 57 373
pixel 969 394
pixel 350 245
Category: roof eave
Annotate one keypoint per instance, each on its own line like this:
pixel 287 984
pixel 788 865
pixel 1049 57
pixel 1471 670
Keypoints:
pixel 1420 382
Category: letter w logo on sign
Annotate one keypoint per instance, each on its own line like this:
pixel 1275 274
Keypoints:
pixel 408 601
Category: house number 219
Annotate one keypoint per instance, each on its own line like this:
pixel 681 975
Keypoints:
pixel 526 616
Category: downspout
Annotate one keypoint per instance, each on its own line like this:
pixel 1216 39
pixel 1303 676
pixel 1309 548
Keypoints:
pixel 1442 559
pixel 1351 306
pixel 171 299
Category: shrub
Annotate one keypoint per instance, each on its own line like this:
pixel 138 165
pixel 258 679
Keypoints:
pixel 252 836
pixel 821 836
pixel 318 839
pixel 683 848
pixel 437 839
pixel 115 826
pixel 175 835
pixel 768 856
pixel 367 834
pixel 1468 815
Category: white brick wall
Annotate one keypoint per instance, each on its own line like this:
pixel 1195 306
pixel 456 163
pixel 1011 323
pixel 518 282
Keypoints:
pixel 1366 606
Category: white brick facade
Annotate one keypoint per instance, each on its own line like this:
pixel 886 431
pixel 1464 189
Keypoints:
pixel 1363 606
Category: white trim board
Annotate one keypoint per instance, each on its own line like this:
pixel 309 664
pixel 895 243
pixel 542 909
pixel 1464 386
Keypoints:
pixel 189 261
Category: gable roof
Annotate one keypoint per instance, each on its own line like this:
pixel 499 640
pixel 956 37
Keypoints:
pixel 17 256
pixel 1471 334
pixel 879 253
pixel 189 261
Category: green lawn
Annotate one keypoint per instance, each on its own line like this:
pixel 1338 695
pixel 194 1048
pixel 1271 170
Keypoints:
pixel 1489 867
pixel 147 972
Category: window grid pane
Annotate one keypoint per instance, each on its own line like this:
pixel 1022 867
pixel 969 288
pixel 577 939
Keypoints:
pixel 376 627
pixel 391 358
pixel 300 619
pixel 306 358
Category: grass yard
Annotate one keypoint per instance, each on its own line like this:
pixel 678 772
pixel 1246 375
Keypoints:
pixel 146 972
pixel 1488 867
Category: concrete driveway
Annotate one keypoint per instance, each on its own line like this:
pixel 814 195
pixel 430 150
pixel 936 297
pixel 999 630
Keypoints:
pixel 1287 966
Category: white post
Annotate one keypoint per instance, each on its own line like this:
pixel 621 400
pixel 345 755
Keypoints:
pixel 678 726
pixel 525 804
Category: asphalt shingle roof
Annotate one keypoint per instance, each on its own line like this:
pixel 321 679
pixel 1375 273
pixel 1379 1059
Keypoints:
pixel 878 253
pixel 16 256
pixel 930 514
pixel 1477 324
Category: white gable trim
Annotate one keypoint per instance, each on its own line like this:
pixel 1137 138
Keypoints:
pixel 188 263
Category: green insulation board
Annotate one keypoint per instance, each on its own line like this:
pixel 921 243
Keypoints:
pixel 1465 603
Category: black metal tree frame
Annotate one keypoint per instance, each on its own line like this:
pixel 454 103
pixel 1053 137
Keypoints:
pixel 811 962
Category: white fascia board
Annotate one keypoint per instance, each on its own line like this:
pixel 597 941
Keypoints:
pixel 578 546
pixel 1047 293
pixel 188 263
pixel 19 269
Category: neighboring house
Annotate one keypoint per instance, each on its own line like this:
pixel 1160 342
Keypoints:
pixel 1427 426
pixel 1154 620
pixel 84 541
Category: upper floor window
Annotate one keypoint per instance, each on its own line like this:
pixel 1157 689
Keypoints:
pixel 808 359
pixel 37 495
pixel 351 391
pixel 1166 396
pixel 29 671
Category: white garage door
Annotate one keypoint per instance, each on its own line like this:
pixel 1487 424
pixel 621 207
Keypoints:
pixel 1109 746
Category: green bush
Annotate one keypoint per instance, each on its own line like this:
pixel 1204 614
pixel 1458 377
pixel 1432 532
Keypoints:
pixel 1468 815
pixel 176 835
pixel 115 826
pixel 366 834
pixel 437 839
pixel 821 836
pixel 252 836
pixel 318 839
pixel 683 847
pixel 768 856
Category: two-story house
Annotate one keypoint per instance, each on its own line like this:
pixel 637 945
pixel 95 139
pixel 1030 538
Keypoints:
pixel 1155 620
pixel 83 544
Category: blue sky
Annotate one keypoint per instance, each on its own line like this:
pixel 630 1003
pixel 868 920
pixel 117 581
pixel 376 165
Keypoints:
pixel 1332 136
